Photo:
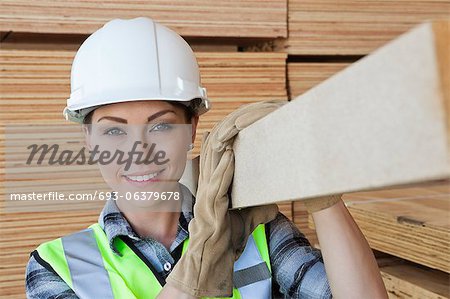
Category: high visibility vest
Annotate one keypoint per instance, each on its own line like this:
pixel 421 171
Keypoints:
pixel 85 261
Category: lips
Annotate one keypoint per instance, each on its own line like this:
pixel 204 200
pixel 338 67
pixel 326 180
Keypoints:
pixel 144 177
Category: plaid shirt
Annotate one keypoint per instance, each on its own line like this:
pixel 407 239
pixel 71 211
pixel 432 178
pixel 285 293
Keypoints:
pixel 297 268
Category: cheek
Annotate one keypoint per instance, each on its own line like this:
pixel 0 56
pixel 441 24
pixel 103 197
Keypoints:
pixel 174 143
pixel 176 149
pixel 107 154
pixel 110 173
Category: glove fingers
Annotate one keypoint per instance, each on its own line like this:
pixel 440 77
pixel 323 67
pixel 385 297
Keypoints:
pixel 212 200
pixel 228 129
pixel 230 119
pixel 245 120
pixel 244 116
pixel 222 176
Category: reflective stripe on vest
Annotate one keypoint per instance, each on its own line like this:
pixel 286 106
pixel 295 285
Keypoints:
pixel 85 261
pixel 89 278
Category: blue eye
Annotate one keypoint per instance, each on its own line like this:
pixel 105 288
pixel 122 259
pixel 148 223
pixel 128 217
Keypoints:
pixel 161 127
pixel 114 132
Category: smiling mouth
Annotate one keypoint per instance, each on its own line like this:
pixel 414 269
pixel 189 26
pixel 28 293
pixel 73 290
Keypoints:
pixel 143 178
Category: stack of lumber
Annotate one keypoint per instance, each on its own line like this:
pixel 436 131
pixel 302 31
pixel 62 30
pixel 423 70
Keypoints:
pixel 412 226
pixel 198 18
pixel 304 75
pixel 350 27
pixel 404 279
pixel 411 223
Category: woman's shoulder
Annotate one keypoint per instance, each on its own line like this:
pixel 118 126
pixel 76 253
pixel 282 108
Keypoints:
pixel 41 282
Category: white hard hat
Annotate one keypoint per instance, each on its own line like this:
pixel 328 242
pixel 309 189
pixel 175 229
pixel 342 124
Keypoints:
pixel 131 60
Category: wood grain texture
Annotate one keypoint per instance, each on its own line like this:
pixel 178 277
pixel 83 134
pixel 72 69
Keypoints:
pixel 199 18
pixel 350 27
pixel 404 279
pixel 411 223
pixel 303 76
pixel 301 220
pixel 442 29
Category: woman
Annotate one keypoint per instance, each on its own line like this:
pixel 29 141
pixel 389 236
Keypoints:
pixel 135 82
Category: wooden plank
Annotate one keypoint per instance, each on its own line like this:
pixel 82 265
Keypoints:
pixel 353 27
pixel 44 41
pixel 301 220
pixel 412 223
pixel 303 76
pixel 408 280
pixel 286 209
pixel 383 121
pixel 198 18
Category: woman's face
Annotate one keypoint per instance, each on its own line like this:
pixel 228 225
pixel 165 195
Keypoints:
pixel 149 140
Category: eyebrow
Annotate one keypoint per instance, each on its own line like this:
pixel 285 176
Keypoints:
pixel 149 119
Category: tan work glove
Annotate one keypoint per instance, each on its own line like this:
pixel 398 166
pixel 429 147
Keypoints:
pixel 218 235
pixel 320 203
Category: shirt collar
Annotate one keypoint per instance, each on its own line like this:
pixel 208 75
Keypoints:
pixel 115 224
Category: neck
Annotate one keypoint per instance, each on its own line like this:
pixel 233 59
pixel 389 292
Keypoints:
pixel 161 226
pixel 149 222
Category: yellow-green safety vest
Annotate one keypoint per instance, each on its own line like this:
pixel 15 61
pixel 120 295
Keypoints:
pixel 85 261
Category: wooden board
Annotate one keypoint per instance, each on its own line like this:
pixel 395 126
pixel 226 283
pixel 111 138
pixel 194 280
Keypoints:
pixel 71 42
pixel 411 223
pixel 350 27
pixel 198 18
pixel 302 76
pixel 301 220
pixel 383 121
pixel 408 280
